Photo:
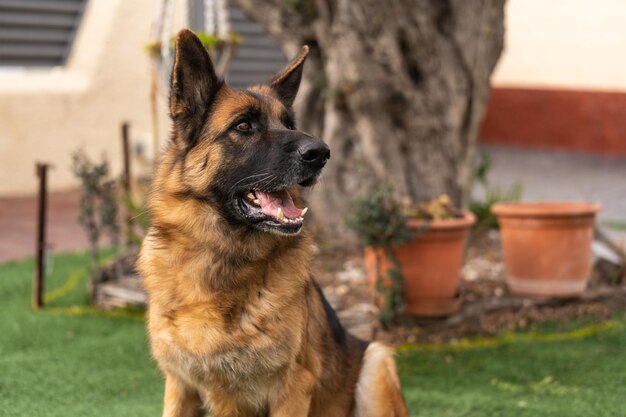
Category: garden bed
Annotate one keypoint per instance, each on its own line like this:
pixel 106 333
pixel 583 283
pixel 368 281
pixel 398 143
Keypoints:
pixel 487 307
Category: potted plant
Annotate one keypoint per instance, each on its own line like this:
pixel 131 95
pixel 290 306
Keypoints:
pixel 547 246
pixel 413 253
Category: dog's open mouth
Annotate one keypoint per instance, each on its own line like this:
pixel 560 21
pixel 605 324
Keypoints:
pixel 273 210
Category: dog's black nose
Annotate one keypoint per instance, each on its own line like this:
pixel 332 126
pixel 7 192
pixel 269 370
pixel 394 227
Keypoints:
pixel 314 153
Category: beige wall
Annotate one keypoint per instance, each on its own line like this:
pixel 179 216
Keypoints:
pixel 47 114
pixel 578 44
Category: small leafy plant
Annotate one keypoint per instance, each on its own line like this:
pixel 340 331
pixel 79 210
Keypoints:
pixel 439 208
pixel 209 40
pixel 378 221
pixel 493 194
pixel 98 203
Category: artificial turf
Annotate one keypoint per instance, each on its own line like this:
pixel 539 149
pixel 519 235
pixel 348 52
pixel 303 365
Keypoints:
pixel 584 374
pixel 68 360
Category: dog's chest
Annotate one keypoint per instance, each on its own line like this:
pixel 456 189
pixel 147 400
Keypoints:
pixel 206 347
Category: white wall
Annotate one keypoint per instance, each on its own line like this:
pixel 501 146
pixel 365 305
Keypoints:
pixel 47 114
pixel 577 44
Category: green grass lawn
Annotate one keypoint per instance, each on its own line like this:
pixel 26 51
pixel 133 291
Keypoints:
pixel 70 360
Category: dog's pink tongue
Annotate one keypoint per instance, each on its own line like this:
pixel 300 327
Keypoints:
pixel 271 202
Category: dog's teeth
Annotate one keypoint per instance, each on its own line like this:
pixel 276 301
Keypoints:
pixel 304 210
pixel 279 213
pixel 251 196
pixel 256 201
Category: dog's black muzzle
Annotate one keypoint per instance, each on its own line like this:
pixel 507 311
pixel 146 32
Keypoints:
pixel 314 153
pixel 302 156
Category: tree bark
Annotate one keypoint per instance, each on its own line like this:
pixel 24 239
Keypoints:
pixel 396 88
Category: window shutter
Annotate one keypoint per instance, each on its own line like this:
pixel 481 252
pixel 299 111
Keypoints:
pixel 37 32
pixel 258 57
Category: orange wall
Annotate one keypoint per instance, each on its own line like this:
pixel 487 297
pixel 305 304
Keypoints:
pixel 584 121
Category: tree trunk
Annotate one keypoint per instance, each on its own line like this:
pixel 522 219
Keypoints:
pixel 396 88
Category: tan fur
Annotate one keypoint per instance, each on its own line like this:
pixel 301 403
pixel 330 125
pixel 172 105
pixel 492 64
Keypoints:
pixel 378 392
pixel 236 323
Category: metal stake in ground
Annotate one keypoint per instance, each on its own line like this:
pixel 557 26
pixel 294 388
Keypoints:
pixel 126 177
pixel 38 284
pixel 126 152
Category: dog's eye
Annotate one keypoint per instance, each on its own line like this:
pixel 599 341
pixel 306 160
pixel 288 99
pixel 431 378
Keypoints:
pixel 244 126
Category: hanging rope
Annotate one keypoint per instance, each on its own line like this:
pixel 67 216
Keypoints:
pixel 223 23
pixel 186 12
pixel 216 25
pixel 166 34
pixel 209 17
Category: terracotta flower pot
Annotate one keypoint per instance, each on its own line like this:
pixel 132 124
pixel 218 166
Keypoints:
pixel 430 265
pixel 547 246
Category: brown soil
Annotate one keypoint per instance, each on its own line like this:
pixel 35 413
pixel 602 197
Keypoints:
pixel 487 307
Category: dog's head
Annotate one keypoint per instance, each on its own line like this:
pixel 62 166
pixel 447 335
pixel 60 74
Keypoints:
pixel 240 150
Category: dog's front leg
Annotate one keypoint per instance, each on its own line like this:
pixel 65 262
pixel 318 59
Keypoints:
pixel 180 400
pixel 295 398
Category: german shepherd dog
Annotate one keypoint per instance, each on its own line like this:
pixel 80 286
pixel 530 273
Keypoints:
pixel 236 322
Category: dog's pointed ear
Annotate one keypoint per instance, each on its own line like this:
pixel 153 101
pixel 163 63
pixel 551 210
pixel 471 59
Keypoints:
pixel 287 82
pixel 194 84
